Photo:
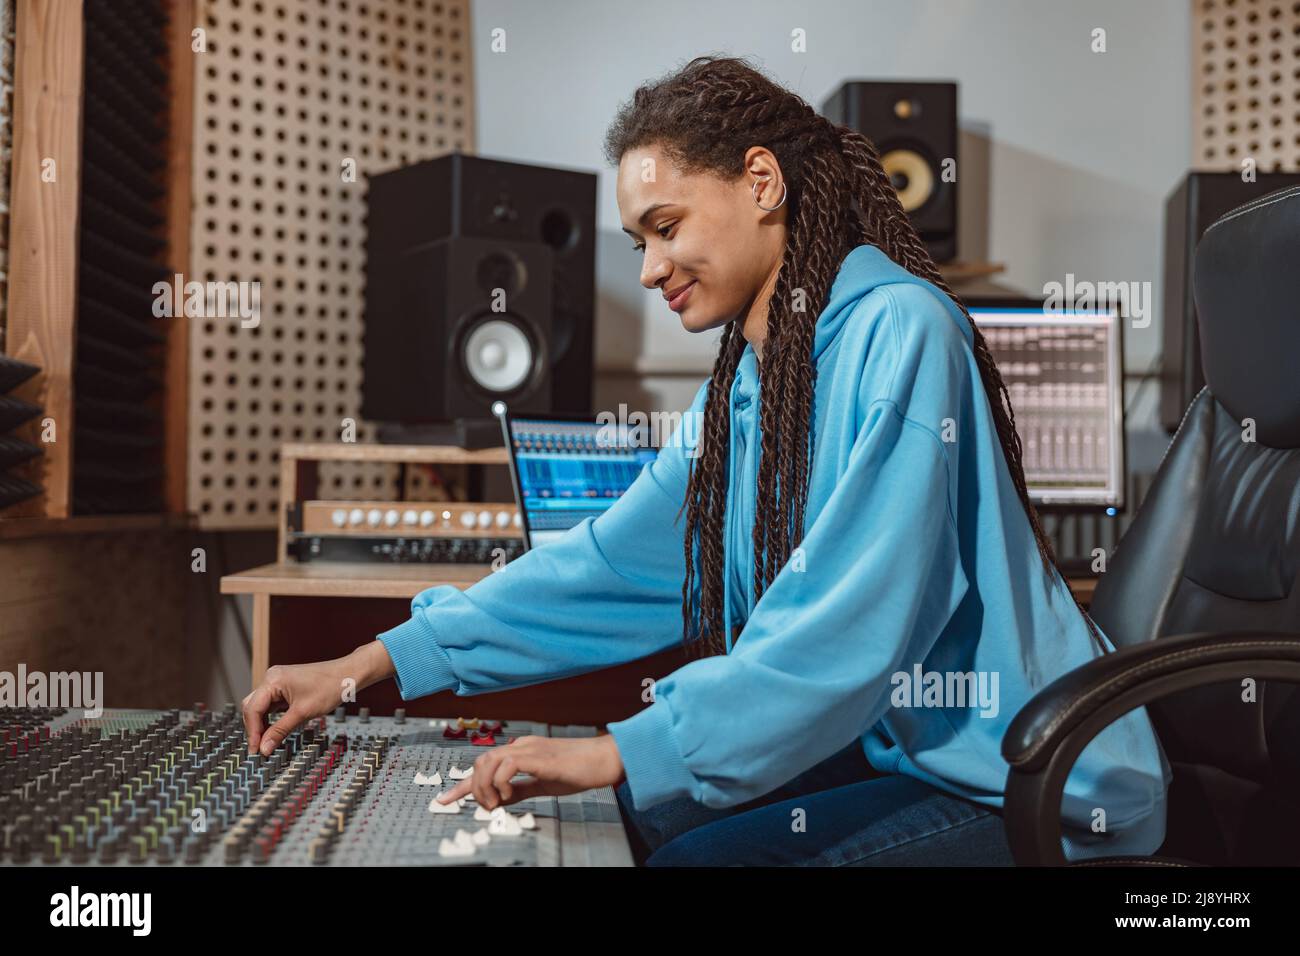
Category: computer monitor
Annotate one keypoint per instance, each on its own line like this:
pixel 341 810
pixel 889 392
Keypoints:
pixel 1064 372
pixel 566 468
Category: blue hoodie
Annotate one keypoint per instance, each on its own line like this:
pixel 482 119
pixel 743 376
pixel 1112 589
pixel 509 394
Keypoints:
pixel 918 565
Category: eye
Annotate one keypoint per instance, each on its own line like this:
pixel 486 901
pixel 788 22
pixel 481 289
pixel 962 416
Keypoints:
pixel 662 231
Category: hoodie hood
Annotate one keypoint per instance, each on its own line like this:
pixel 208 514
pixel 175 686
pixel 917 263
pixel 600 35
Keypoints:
pixel 864 269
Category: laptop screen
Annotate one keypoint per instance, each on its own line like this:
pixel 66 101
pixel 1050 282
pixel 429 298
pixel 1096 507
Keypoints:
pixel 566 470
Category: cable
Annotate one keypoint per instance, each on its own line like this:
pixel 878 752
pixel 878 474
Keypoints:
pixel 1152 371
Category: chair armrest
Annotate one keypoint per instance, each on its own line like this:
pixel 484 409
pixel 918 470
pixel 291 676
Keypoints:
pixel 1046 736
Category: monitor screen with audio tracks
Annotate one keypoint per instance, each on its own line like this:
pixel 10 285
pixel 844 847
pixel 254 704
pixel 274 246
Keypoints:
pixel 1063 369
pixel 567 468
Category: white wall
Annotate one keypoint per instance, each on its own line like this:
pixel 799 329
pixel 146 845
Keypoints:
pixel 1082 147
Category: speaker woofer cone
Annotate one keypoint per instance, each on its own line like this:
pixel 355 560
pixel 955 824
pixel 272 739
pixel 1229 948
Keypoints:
pixel 498 355
pixel 912 176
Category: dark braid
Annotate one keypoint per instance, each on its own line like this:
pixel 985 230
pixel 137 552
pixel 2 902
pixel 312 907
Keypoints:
pixel 706 497
pixel 705 117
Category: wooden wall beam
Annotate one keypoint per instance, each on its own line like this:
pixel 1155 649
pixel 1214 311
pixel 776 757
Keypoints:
pixel 178 207
pixel 48 43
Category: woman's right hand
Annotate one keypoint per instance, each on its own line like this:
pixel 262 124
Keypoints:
pixel 307 691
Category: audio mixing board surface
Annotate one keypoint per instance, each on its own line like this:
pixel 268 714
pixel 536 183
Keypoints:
pixel 170 788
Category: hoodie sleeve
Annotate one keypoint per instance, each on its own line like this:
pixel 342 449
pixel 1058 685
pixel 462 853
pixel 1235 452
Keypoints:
pixel 867 593
pixel 607 592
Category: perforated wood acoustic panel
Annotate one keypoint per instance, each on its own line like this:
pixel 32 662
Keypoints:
pixel 1246 70
pixel 287 91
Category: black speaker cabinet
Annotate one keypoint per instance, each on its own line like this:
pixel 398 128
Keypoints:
pixel 441 236
pixel 914 126
pixel 475 327
pixel 1191 208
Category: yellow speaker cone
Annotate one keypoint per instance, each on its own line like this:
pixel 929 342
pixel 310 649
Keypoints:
pixel 912 177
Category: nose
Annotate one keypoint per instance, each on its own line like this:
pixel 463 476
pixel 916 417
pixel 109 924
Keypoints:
pixel 654 269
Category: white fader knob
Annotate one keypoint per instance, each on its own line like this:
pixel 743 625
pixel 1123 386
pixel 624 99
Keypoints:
pixel 427 519
pixel 391 517
pixel 485 519
pixel 502 519
pixel 409 517
pixel 467 519
pixel 518 521
pixel 356 516
pixel 338 517
pixel 373 517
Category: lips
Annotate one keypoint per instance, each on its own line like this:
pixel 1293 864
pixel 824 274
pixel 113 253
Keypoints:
pixel 674 293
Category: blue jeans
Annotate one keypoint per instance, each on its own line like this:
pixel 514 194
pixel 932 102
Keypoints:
pixel 852 815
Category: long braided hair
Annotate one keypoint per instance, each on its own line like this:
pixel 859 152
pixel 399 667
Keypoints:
pixel 704 117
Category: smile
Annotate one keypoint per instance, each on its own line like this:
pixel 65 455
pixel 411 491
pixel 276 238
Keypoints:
pixel 678 301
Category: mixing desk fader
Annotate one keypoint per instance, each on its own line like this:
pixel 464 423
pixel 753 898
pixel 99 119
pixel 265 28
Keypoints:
pixel 167 788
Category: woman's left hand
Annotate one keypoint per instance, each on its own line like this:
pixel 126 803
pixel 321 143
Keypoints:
pixel 555 765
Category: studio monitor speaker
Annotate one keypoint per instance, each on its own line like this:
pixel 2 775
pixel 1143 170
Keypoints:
pixel 481 273
pixel 1198 200
pixel 914 127
pixel 478 326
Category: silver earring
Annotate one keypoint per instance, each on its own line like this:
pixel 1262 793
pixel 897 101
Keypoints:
pixel 754 190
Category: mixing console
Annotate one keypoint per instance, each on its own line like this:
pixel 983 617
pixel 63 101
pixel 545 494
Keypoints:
pixel 160 788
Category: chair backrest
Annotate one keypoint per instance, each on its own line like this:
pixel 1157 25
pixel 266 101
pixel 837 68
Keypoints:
pixel 1216 543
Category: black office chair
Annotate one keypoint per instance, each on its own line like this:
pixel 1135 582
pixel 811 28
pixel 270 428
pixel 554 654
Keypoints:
pixel 1204 589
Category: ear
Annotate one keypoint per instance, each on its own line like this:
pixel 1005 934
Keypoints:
pixel 761 166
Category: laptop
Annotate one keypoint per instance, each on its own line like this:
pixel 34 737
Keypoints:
pixel 566 468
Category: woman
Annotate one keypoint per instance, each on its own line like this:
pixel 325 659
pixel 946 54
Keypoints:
pixel 856 431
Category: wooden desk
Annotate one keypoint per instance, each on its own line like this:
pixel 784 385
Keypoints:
pixel 320 610
pixel 334 580
pixel 345 579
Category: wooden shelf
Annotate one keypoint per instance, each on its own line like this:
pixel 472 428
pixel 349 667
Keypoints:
pixel 349 579
pixel 419 454
pixel 964 271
